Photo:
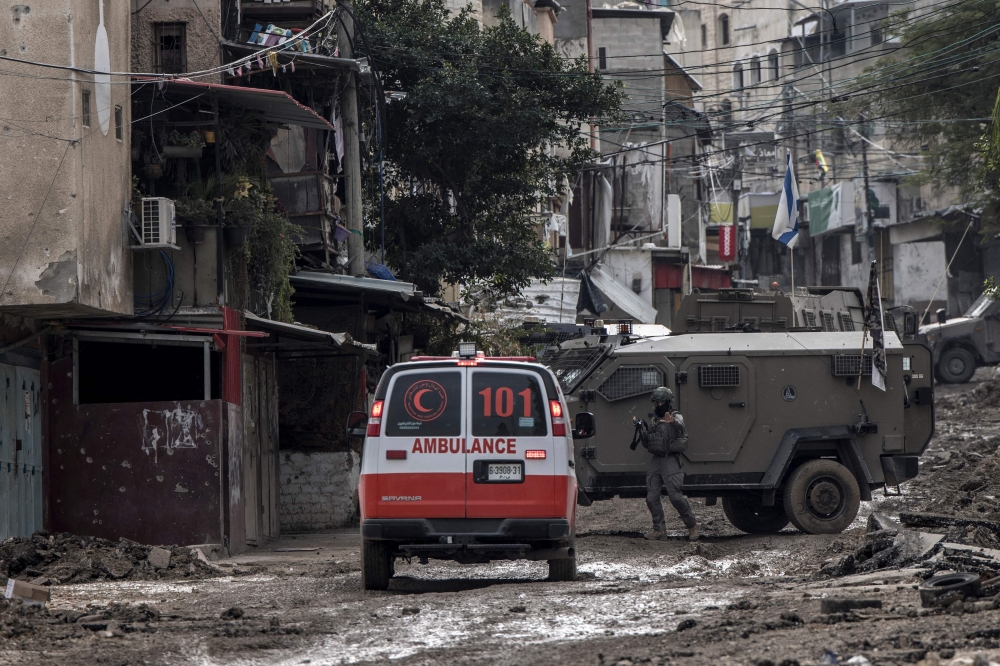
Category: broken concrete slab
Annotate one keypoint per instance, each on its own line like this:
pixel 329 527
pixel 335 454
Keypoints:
pixel 211 551
pixel 915 545
pixel 834 605
pixel 978 551
pixel 940 521
pixel 200 554
pixel 159 557
pixel 29 594
pixel 879 521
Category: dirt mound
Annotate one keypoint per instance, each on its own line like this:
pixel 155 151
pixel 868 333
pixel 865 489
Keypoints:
pixel 66 558
pixel 987 394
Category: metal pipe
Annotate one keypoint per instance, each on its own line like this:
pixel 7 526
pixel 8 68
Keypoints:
pixel 24 341
pixel 220 259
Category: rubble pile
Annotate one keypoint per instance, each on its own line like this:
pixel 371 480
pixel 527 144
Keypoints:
pixel 955 545
pixel 53 559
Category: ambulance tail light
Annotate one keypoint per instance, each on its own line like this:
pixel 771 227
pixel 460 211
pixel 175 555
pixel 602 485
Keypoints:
pixel 535 455
pixel 395 454
pixel 558 422
pixel 375 421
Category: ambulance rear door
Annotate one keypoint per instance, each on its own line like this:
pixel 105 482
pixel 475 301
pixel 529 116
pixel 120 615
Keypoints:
pixel 511 461
pixel 421 459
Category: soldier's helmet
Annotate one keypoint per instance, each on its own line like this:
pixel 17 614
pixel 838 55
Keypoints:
pixel 663 394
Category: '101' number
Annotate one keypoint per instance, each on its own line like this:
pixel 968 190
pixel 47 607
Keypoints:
pixel 504 402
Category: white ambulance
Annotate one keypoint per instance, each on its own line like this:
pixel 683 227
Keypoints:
pixel 467 458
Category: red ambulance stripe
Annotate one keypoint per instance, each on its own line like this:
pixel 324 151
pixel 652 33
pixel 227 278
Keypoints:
pixel 441 495
pixel 535 498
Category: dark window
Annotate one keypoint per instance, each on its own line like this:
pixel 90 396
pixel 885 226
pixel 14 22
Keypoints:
pixel 125 372
pixel 602 58
pixel 855 250
pixel 507 404
pixel 772 65
pixel 724 29
pixel 738 77
pixel 119 129
pixel 171 48
pixel 704 35
pixel 425 403
pixel 877 33
pixel 755 73
pixel 85 112
pixel 726 111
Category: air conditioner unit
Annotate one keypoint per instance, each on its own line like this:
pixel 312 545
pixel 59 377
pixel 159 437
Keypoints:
pixel 159 223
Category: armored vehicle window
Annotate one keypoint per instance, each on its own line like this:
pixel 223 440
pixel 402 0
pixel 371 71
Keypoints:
pixel 979 308
pixel 810 318
pixel 627 382
pixel 846 323
pixel 846 365
pixel 718 375
pixel 828 324
pixel 425 403
pixel 507 404
pixel 571 366
pixel 719 324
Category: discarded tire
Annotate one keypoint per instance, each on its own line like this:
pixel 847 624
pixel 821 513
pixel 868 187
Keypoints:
pixel 747 514
pixel 821 497
pixel 966 584
pixel 376 564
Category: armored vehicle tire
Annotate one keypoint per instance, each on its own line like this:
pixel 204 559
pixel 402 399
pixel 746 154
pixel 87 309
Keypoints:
pixel 563 570
pixel 956 366
pixel 821 497
pixel 376 564
pixel 747 514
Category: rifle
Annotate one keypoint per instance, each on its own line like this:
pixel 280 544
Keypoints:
pixel 640 429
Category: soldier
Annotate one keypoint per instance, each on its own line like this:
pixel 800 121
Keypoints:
pixel 665 439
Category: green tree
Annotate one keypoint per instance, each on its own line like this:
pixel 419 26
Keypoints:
pixel 472 148
pixel 933 89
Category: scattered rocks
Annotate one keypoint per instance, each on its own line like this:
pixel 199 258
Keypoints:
pixel 684 625
pixel 159 557
pixel 233 613
pixel 518 609
pixel 411 611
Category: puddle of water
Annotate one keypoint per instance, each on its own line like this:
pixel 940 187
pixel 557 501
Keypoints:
pixel 134 591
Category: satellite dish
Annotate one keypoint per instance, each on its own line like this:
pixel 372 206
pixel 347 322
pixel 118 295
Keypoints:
pixel 102 82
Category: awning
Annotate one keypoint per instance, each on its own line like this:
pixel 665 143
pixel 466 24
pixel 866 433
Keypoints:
pixel 299 333
pixel 276 106
pixel 760 207
pixel 402 296
pixel 623 297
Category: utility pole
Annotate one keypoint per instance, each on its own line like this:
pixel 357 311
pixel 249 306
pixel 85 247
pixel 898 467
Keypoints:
pixel 737 186
pixel 590 61
pixel 869 213
pixel 352 151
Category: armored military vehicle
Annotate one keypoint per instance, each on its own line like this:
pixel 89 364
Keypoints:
pixel 779 429
pixel 962 344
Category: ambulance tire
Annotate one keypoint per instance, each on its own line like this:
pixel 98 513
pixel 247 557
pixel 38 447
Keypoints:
pixel 376 564
pixel 822 497
pixel 749 515
pixel 562 571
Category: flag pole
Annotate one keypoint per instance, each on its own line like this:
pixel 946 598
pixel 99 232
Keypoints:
pixel 792 251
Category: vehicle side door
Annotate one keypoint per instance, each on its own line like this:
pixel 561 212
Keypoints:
pixel 420 454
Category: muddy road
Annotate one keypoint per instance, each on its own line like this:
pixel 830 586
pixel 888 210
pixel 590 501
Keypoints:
pixel 729 599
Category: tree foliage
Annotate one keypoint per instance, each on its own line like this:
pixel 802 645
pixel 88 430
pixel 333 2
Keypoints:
pixel 933 90
pixel 490 125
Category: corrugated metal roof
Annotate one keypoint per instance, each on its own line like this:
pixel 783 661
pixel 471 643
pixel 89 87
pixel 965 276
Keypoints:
pixel 623 297
pixel 391 292
pixel 275 105
pixel 554 302
pixel 306 333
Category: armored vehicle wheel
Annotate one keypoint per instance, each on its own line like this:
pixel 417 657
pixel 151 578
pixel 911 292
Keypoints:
pixel 376 564
pixel 956 366
pixel 564 570
pixel 821 497
pixel 747 514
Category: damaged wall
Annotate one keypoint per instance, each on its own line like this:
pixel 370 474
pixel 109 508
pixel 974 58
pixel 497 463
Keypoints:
pixel 201 46
pixel 62 247
pixel 319 490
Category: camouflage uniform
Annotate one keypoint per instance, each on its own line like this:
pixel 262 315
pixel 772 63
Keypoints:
pixel 665 441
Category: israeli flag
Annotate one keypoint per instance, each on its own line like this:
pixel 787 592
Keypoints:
pixel 786 221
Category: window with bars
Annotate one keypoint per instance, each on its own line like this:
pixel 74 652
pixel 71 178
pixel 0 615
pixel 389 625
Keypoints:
pixel 846 323
pixel 828 323
pixel 846 365
pixel 85 111
pixel 626 382
pixel 809 317
pixel 720 324
pixel 171 47
pixel 710 376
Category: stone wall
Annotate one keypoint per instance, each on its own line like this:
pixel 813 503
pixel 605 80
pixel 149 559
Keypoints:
pixel 319 490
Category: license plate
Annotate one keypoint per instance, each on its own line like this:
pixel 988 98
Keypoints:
pixel 505 472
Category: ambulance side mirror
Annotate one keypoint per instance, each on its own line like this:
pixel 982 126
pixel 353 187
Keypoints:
pixel 357 424
pixel 583 426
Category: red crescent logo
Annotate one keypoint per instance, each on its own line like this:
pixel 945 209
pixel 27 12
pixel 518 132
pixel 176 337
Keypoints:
pixel 418 404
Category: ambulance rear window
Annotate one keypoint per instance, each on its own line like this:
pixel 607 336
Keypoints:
pixel 507 404
pixel 425 403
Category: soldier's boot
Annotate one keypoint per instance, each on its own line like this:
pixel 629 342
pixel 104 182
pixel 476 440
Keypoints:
pixel 656 535
pixel 694 532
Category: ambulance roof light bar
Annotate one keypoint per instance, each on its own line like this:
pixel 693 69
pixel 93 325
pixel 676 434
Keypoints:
pixel 467 350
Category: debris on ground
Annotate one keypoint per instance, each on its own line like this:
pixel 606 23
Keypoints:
pixel 67 558
pixel 29 593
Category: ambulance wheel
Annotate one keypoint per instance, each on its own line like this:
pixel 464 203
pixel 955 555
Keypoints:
pixel 822 497
pixel 956 366
pixel 747 514
pixel 564 570
pixel 376 564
